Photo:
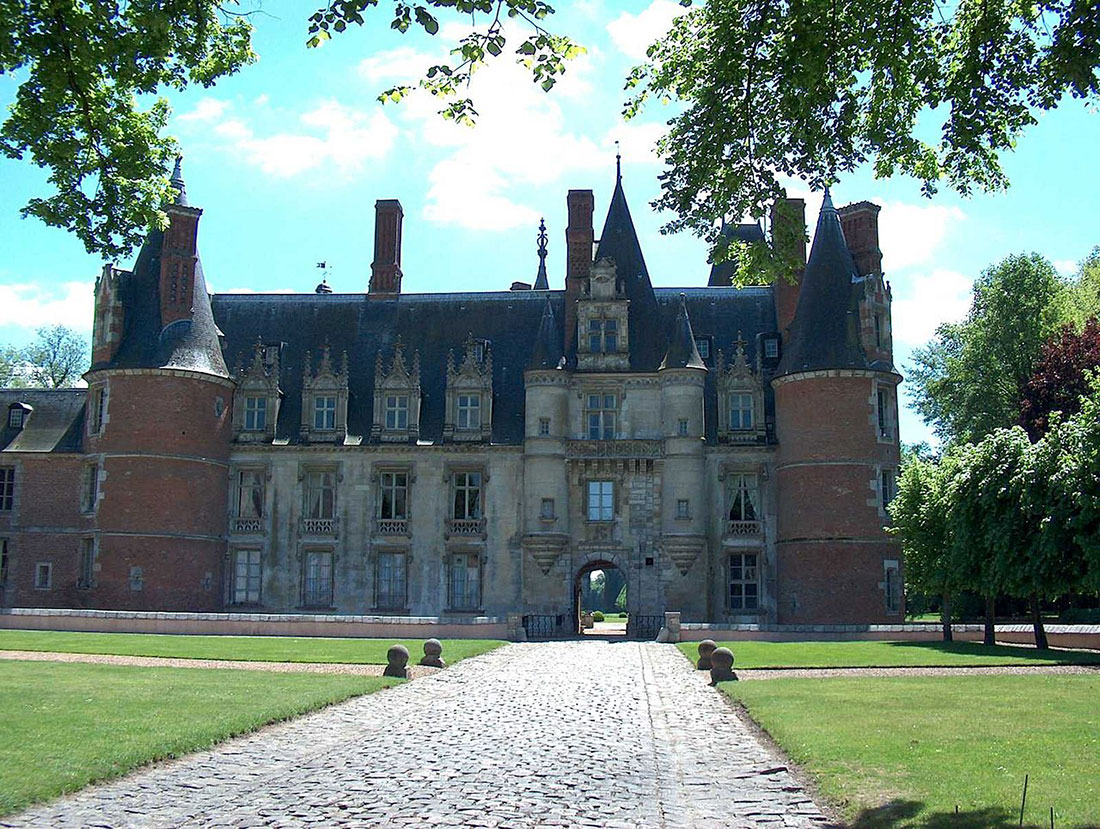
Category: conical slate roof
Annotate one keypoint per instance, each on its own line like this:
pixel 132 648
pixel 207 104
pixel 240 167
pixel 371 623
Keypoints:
pixel 825 331
pixel 548 344
pixel 682 351
pixel 721 273
pixel 619 243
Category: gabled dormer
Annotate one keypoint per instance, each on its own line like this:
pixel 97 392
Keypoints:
pixel 396 398
pixel 324 399
pixel 603 322
pixel 469 415
pixel 740 399
pixel 108 319
pixel 256 400
pixel 18 415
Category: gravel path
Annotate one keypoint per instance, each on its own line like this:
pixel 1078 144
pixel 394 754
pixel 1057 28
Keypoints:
pixel 576 734
pixel 830 673
pixel 415 671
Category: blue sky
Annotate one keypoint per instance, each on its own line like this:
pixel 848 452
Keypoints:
pixel 288 157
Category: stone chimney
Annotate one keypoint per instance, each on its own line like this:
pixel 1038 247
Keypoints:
pixel 788 221
pixel 385 278
pixel 859 222
pixel 579 239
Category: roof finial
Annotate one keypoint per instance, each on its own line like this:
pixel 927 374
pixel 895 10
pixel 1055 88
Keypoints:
pixel 542 283
pixel 177 182
pixel 618 162
pixel 827 202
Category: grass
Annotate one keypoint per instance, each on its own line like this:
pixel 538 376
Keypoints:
pixel 68 725
pixel 246 648
pixel 888 654
pixel 905 751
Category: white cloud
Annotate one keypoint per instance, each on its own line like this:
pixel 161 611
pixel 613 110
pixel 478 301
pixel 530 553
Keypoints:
pixel 334 133
pixel 1066 267
pixel 32 306
pixel 633 33
pixel 207 109
pixel 922 303
pixel 910 233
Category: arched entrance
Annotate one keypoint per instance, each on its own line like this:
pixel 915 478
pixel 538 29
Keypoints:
pixel 600 585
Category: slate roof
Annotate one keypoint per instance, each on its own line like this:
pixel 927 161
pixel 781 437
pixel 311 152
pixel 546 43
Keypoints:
pixel 825 331
pixel 721 273
pixel 55 425
pixel 682 350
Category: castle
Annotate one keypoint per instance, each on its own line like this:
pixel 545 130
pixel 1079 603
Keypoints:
pixel 730 451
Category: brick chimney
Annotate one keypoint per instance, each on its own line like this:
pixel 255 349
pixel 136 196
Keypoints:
pixel 788 222
pixel 178 257
pixel 579 239
pixel 859 222
pixel 385 278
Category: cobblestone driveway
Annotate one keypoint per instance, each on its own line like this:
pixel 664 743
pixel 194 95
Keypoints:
pixel 553 734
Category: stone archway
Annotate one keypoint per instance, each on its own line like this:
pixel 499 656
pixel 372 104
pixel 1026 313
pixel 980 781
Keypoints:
pixel 591 564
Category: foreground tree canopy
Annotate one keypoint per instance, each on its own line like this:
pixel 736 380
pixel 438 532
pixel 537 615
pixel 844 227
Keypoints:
pixel 808 90
pixel 56 359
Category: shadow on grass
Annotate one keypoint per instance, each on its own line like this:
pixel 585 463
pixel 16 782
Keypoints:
pixel 1054 657
pixel 899 813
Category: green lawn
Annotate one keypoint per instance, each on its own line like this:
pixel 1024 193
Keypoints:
pixel 249 648
pixel 905 751
pixel 887 654
pixel 67 725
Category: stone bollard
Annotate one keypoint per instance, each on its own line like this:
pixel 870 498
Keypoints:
pixel 398 658
pixel 672 625
pixel 706 648
pixel 433 654
pixel 721 666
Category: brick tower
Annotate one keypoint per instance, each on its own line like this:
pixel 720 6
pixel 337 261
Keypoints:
pixel 158 428
pixel 837 458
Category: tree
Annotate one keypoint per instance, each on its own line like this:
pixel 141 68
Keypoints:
pixel 10 376
pixel 55 360
pixel 968 381
pixel 808 90
pixel 1061 377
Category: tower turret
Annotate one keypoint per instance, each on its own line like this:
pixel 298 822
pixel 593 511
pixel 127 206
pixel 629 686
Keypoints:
pixel 836 423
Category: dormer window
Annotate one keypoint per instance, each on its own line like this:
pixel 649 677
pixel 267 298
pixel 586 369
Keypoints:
pixel 397 411
pixel 270 356
pixel 741 411
pixel 771 348
pixel 396 415
pixel 603 336
pixel 469 411
pixel 702 345
pixel 15 418
pixel 477 348
pixel 255 414
pixel 324 413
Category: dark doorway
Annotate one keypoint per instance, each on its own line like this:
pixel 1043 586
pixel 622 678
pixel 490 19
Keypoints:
pixel 600 590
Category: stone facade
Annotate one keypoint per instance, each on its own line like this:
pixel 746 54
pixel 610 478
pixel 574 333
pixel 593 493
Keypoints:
pixel 433 456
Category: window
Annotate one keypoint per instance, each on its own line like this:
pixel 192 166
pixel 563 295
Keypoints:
pixel 317 581
pixel 247 576
pixel 883 406
pixel 888 487
pixel 15 418
pixel 741 406
pixel 324 413
pixel 878 330
pixel 702 344
pixel 465 581
pixel 744 497
pixel 683 427
pixel 601 500
pixel 393 503
pixel 771 348
pixel 320 494
pixel 43 575
pixel 478 349
pixel 544 427
pixel 255 414
pixel 137 579
pixel 99 410
pixel 892 587
pixel 744 590
pixel 603 336
pixel 91 488
pixel 602 411
pixel 397 411
pixel 467 503
pixel 250 493
pixel 390 580
pixel 270 355
pixel 547 509
pixel 7 488
pixel 86 577
pixel 469 411
pixel 3 561
pixel 683 508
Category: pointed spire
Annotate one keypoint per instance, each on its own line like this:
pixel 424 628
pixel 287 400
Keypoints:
pixel 682 351
pixel 547 353
pixel 542 283
pixel 825 331
pixel 178 183
pixel 618 163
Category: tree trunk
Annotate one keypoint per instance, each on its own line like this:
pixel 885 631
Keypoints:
pixel 1037 622
pixel 945 617
pixel 990 620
